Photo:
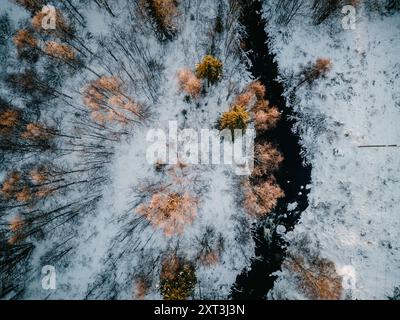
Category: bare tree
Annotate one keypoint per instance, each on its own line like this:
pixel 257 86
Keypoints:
pixel 286 10
pixel 322 9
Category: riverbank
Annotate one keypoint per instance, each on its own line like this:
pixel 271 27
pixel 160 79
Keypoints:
pixel 353 214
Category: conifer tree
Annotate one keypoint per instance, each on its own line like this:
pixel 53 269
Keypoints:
pixel 236 118
pixel 177 279
pixel 209 68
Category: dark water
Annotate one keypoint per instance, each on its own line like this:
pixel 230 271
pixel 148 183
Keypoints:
pixel 256 283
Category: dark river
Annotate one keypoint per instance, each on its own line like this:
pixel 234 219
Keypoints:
pixel 293 175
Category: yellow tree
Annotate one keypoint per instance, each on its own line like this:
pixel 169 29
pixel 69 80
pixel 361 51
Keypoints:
pixel 236 118
pixel 209 68
pixel 177 279
pixel 264 116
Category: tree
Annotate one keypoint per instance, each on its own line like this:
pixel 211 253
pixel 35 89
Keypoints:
pixel 209 68
pixel 11 185
pixel 164 14
pixel 31 5
pixel 322 9
pixel 13 266
pixel 247 99
pixel 322 66
pixel 8 121
pixel 29 83
pixel 19 135
pixel 189 83
pixel 37 132
pixel 261 199
pixel 265 117
pixel 236 118
pixel 313 72
pixel 5 28
pixel 258 89
pixel 396 294
pixel 60 51
pixel 13 123
pixel 393 5
pixel 17 225
pixel 252 94
pixel 23 188
pixel 267 160
pixel 211 247
pixel 177 279
pixel 170 211
pixel 24 39
pixel 141 288
pixel 108 102
pixel 286 10
pixel 317 277
pixel 27 45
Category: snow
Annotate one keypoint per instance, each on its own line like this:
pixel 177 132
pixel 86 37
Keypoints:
pixel 292 206
pixel 15 11
pixel 353 218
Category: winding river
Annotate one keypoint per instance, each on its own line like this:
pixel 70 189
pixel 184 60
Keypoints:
pixel 293 176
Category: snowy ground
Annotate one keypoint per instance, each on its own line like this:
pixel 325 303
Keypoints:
pixel 354 214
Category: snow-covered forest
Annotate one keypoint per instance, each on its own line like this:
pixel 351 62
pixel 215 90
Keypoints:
pixel 84 214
